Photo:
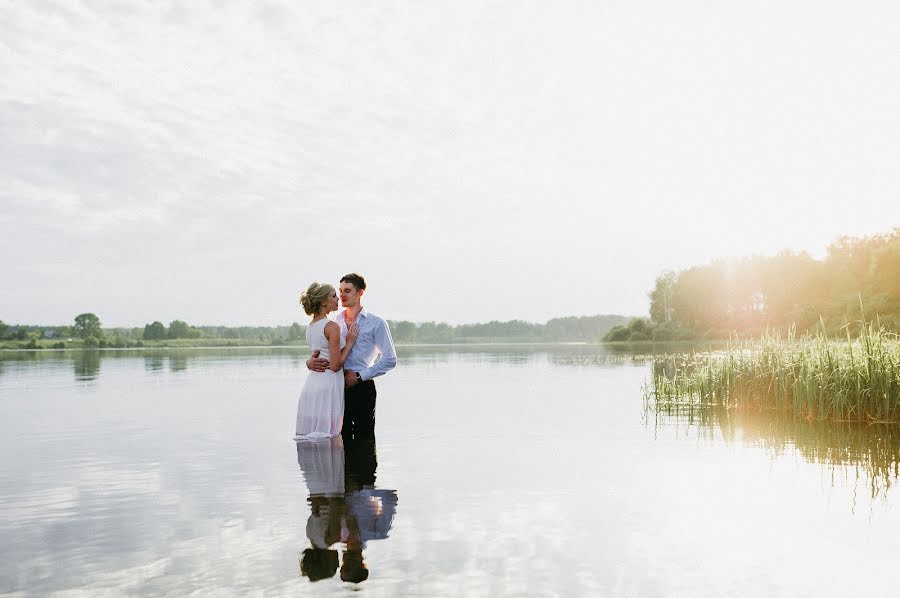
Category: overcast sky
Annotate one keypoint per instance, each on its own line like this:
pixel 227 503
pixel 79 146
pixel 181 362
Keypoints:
pixel 474 160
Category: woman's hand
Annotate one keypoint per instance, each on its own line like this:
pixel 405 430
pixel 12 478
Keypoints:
pixel 352 333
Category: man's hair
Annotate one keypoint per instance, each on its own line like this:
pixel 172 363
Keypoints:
pixel 356 280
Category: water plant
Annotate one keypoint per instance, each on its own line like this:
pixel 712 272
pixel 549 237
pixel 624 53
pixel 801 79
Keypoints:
pixel 816 377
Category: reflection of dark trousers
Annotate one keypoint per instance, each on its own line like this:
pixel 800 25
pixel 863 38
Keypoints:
pixel 360 463
pixel 359 410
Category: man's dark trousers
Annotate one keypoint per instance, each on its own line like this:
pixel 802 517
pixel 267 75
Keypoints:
pixel 359 410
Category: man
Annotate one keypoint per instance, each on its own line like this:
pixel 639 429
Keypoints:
pixel 360 368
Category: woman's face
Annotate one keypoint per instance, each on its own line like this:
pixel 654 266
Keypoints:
pixel 332 303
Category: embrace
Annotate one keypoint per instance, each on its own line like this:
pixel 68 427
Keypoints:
pixel 339 394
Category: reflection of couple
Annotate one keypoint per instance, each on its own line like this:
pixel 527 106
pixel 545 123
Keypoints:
pixel 346 509
pixel 339 394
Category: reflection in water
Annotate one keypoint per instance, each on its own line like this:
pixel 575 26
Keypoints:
pixel 153 363
pixel 346 510
pixel 178 362
pixel 87 365
pixel 869 452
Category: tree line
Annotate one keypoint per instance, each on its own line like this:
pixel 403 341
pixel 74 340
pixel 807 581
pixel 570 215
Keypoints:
pixel 857 280
pixel 569 329
pixel 88 329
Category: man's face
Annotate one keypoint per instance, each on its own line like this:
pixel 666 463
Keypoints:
pixel 349 295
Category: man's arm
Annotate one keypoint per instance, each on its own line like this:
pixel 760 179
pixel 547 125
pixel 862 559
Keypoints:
pixel 316 363
pixel 385 345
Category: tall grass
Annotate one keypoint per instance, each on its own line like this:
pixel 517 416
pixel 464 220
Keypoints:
pixel 854 379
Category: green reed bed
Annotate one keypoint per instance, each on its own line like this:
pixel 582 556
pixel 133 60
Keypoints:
pixel 815 377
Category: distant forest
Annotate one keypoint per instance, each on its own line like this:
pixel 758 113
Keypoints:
pixel 858 279
pixel 88 331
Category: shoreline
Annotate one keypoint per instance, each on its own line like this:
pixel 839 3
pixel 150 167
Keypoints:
pixel 522 343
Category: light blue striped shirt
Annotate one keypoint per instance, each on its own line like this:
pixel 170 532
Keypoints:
pixel 374 339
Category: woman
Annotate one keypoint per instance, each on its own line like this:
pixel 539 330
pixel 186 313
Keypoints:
pixel 320 411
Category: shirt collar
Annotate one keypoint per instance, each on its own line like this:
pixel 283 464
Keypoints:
pixel 362 314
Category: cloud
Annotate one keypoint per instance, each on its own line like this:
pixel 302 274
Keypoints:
pixel 430 140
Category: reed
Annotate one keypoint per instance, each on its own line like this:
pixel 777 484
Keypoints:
pixel 853 379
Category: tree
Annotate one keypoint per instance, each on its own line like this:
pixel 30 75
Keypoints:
pixel 885 273
pixel 179 329
pixel 155 331
pixel 618 333
pixel 295 332
pixel 403 331
pixel 87 325
pixel 3 328
pixel 661 297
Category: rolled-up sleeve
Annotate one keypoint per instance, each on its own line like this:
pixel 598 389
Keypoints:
pixel 385 346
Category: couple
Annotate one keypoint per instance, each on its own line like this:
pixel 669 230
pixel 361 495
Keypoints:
pixel 339 394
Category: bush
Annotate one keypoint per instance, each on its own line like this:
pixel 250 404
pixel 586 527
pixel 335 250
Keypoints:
pixel 91 342
pixel 663 332
pixel 639 325
pixel 618 333
pixel 684 334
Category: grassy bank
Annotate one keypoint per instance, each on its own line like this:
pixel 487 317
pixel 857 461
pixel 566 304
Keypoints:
pixel 855 379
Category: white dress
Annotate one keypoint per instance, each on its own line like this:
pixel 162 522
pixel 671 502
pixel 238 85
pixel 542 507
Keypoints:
pixel 320 410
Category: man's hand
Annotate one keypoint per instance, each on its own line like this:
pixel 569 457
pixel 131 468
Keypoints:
pixel 316 364
pixel 350 378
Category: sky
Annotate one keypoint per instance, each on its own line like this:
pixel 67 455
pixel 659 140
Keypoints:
pixel 207 160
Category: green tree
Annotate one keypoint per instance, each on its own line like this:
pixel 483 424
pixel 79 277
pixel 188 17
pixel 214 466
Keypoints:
pixel 87 325
pixel 403 331
pixel 661 297
pixel 618 333
pixel 295 331
pixel 155 331
pixel 885 274
pixel 179 329
pixel 3 328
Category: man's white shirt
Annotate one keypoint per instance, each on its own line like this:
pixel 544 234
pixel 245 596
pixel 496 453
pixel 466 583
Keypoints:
pixel 374 339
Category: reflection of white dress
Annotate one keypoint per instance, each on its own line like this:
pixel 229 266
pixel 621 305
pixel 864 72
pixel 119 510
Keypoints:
pixel 322 464
pixel 320 411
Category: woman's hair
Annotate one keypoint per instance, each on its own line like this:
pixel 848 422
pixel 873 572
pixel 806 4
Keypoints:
pixel 315 297
pixel 318 563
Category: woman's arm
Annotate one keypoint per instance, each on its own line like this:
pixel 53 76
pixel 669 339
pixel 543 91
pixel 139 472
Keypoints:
pixel 337 355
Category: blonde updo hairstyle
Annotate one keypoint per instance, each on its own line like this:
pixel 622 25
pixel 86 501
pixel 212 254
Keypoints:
pixel 315 297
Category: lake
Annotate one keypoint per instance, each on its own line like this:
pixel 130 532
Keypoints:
pixel 497 471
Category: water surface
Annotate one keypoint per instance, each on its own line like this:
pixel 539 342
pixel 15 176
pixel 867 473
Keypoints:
pixel 505 471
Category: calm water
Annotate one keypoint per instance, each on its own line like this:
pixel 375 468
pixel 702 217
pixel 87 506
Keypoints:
pixel 496 472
